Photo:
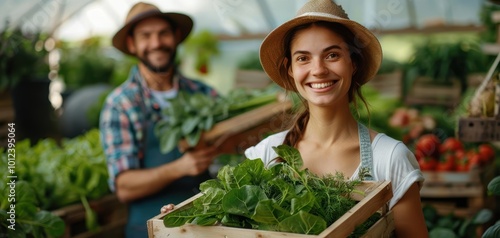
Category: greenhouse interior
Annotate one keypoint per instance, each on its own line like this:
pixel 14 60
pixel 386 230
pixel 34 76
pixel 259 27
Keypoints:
pixel 250 118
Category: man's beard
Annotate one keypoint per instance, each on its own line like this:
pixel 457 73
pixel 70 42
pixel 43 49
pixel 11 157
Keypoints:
pixel 162 68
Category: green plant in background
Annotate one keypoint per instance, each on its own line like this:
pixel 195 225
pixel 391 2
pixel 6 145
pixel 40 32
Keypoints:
pixel 493 190
pixel 29 220
pixel 251 62
pixel 203 45
pixel 491 31
pixel 22 57
pixel 81 172
pixel 86 64
pixel 389 66
pixel 441 62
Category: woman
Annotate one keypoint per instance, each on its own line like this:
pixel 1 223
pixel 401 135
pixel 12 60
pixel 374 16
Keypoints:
pixel 326 57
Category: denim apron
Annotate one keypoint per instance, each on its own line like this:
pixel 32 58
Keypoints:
pixel 144 209
pixel 366 154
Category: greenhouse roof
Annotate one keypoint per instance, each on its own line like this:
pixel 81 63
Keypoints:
pixel 78 19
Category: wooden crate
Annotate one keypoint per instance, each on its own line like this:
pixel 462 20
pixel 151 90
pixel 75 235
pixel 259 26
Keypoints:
pixel 485 129
pixel 236 134
pixel 461 193
pixel 111 214
pixel 424 92
pixel 377 196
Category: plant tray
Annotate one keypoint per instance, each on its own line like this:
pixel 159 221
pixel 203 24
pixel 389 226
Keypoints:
pixel 377 196
pixel 236 134
pixel 111 215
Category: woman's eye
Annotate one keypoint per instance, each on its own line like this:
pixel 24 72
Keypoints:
pixel 332 55
pixel 301 58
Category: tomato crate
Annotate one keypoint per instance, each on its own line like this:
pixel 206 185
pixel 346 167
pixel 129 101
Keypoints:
pixel 377 196
pixel 461 193
pixel 111 216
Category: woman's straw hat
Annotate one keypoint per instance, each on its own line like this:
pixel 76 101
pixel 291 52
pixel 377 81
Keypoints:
pixel 141 11
pixel 272 52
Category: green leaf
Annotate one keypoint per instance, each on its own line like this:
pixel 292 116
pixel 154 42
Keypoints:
pixel 210 202
pixel 26 202
pixel 169 141
pixel 290 155
pixel 303 203
pixel 193 138
pixel 179 217
pixel 210 184
pixel 205 220
pixel 209 122
pixel 492 231
pixel 267 211
pixel 494 186
pixel 242 201
pixel 189 124
pixel 482 216
pixel 303 223
pixel 440 232
pixel 249 172
pixel 53 225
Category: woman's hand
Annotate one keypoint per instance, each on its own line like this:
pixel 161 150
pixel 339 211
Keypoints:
pixel 167 208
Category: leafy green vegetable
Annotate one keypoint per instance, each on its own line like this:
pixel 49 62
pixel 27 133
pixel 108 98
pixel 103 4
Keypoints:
pixel 29 219
pixel 284 197
pixel 59 175
pixel 190 114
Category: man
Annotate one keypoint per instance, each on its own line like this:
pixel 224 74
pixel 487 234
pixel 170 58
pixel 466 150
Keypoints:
pixel 140 175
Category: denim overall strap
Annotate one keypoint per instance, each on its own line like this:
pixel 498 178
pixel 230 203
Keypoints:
pixel 365 150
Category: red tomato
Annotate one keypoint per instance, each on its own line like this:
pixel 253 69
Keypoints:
pixel 461 161
pixel 427 163
pixel 474 159
pixel 451 144
pixel 428 144
pixel 486 152
pixel 446 162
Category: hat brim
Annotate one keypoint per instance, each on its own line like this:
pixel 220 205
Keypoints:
pixel 183 22
pixel 272 52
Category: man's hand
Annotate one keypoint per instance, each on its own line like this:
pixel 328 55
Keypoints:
pixel 197 161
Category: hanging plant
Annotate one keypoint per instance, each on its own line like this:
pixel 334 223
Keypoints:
pixel 203 46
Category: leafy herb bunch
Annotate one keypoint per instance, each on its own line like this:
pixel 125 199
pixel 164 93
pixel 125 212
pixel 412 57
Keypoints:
pixel 283 198
pixel 188 115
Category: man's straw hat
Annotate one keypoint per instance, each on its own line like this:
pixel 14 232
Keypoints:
pixel 272 52
pixel 141 11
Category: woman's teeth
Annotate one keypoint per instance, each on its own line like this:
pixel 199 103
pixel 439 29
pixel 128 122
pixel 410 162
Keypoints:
pixel 321 85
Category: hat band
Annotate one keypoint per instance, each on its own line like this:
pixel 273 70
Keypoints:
pixel 321 14
pixel 143 14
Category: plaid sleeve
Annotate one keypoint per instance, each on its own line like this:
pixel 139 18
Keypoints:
pixel 118 140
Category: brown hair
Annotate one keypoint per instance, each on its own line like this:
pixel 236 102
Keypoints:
pixel 301 118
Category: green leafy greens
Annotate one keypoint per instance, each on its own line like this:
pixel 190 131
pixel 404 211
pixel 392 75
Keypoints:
pixel 284 198
pixel 188 115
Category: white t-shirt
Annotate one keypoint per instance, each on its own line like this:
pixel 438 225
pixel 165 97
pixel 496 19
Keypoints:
pixel 392 161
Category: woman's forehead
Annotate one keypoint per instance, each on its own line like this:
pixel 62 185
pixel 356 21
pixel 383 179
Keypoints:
pixel 315 37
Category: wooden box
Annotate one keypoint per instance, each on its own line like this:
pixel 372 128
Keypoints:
pixel 234 135
pixel 377 196
pixel 111 215
pixel 461 193
pixel 483 129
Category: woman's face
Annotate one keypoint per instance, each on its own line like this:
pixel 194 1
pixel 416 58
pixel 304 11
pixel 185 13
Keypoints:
pixel 321 66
